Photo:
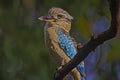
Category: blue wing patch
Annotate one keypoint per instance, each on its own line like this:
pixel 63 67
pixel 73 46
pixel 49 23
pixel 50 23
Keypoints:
pixel 68 46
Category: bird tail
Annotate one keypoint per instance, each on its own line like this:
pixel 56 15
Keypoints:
pixel 81 70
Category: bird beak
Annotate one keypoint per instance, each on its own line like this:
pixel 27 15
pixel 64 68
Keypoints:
pixel 46 18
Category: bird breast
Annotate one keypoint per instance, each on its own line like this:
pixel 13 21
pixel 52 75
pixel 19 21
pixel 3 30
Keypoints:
pixel 51 41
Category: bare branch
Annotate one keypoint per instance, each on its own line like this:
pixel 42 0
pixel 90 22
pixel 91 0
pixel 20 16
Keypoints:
pixel 95 41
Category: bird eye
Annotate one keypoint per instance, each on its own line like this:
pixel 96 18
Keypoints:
pixel 59 16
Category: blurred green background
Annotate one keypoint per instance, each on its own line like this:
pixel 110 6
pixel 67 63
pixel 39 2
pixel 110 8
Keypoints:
pixel 23 55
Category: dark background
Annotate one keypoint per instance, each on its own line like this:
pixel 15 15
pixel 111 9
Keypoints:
pixel 23 55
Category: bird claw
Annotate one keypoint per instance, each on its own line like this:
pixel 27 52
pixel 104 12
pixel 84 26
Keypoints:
pixel 61 65
pixel 59 68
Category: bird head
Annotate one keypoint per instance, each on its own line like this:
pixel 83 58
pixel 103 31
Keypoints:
pixel 58 16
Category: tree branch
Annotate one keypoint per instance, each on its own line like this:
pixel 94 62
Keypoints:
pixel 95 41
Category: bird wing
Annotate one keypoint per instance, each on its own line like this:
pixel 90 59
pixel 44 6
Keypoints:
pixel 66 43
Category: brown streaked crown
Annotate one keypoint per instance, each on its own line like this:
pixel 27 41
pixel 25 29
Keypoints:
pixel 59 13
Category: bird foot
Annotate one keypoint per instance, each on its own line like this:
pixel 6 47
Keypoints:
pixel 61 65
